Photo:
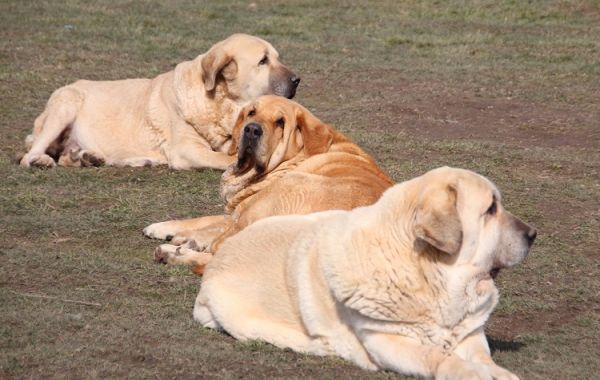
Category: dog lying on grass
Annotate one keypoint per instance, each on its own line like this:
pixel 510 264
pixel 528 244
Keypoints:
pixel 404 285
pixel 288 162
pixel 183 118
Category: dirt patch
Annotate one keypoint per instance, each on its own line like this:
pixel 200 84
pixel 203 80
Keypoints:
pixel 501 120
pixel 436 111
pixel 512 327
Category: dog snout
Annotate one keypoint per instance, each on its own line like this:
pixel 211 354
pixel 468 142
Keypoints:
pixel 253 131
pixel 531 235
pixel 283 82
pixel 295 79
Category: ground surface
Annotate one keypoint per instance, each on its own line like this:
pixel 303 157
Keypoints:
pixel 507 89
pixel 432 112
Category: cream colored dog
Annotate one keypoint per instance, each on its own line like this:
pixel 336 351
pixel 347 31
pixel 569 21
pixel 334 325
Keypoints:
pixel 183 118
pixel 404 285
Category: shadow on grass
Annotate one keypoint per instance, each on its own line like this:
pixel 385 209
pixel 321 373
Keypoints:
pixel 503 345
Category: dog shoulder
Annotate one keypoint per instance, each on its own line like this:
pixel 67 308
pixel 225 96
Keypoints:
pixel 188 88
pixel 364 270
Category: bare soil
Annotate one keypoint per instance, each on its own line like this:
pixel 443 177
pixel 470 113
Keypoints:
pixel 511 327
pixel 439 111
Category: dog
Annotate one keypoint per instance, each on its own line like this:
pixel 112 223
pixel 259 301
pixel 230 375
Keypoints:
pixel 288 162
pixel 183 118
pixel 404 285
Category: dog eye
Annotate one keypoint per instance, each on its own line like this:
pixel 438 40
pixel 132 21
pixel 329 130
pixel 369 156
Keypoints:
pixel 492 209
pixel 252 112
pixel 263 61
pixel 280 123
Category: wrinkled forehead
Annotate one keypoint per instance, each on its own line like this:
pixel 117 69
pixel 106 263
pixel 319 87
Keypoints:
pixel 271 106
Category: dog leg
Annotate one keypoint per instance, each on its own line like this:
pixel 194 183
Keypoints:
pixel 78 157
pixel 408 356
pixel 187 247
pixel 192 156
pixel 69 158
pixel 168 230
pixel 202 313
pixel 244 324
pixel 60 113
pixel 38 160
pixel 181 255
pixel 474 347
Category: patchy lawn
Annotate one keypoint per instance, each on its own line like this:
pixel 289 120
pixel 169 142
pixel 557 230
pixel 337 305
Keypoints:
pixel 507 89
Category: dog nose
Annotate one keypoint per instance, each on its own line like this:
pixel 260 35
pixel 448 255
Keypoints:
pixel 531 235
pixel 295 79
pixel 253 131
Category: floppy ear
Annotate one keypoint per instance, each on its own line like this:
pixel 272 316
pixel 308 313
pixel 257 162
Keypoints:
pixel 437 221
pixel 316 136
pixel 212 63
pixel 235 133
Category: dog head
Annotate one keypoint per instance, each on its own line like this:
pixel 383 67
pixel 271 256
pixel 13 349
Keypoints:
pixel 250 66
pixel 273 130
pixel 460 213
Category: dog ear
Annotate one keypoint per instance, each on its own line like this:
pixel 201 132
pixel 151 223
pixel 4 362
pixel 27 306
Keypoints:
pixel 316 136
pixel 212 63
pixel 235 133
pixel 437 220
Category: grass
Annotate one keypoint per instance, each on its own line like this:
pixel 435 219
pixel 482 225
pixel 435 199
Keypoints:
pixel 505 88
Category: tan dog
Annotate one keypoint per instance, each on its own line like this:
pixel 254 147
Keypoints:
pixel 404 285
pixel 289 162
pixel 183 118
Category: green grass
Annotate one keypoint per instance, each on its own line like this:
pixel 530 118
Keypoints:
pixel 509 89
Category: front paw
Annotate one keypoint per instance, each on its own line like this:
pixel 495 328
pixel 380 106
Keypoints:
pixel 500 373
pixel 41 161
pixel 160 230
pixel 454 368
pixel 175 252
pixel 188 253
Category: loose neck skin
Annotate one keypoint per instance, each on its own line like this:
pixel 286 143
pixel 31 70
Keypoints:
pixel 239 186
pixel 412 272
pixel 212 114
pixel 450 280
pixel 220 110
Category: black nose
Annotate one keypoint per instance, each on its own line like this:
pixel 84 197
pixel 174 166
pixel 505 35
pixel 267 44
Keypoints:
pixel 253 131
pixel 295 79
pixel 531 234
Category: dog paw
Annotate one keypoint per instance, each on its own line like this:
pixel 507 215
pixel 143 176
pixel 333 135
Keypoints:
pixel 188 242
pixel 163 253
pixel 80 158
pixel 160 231
pixel 456 369
pixel 500 373
pixel 181 246
pixel 181 255
pixel 90 159
pixel 40 161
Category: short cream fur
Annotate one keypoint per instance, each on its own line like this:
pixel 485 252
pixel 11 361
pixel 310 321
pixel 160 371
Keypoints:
pixel 404 285
pixel 183 118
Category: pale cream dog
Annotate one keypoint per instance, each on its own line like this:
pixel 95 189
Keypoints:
pixel 183 118
pixel 404 285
